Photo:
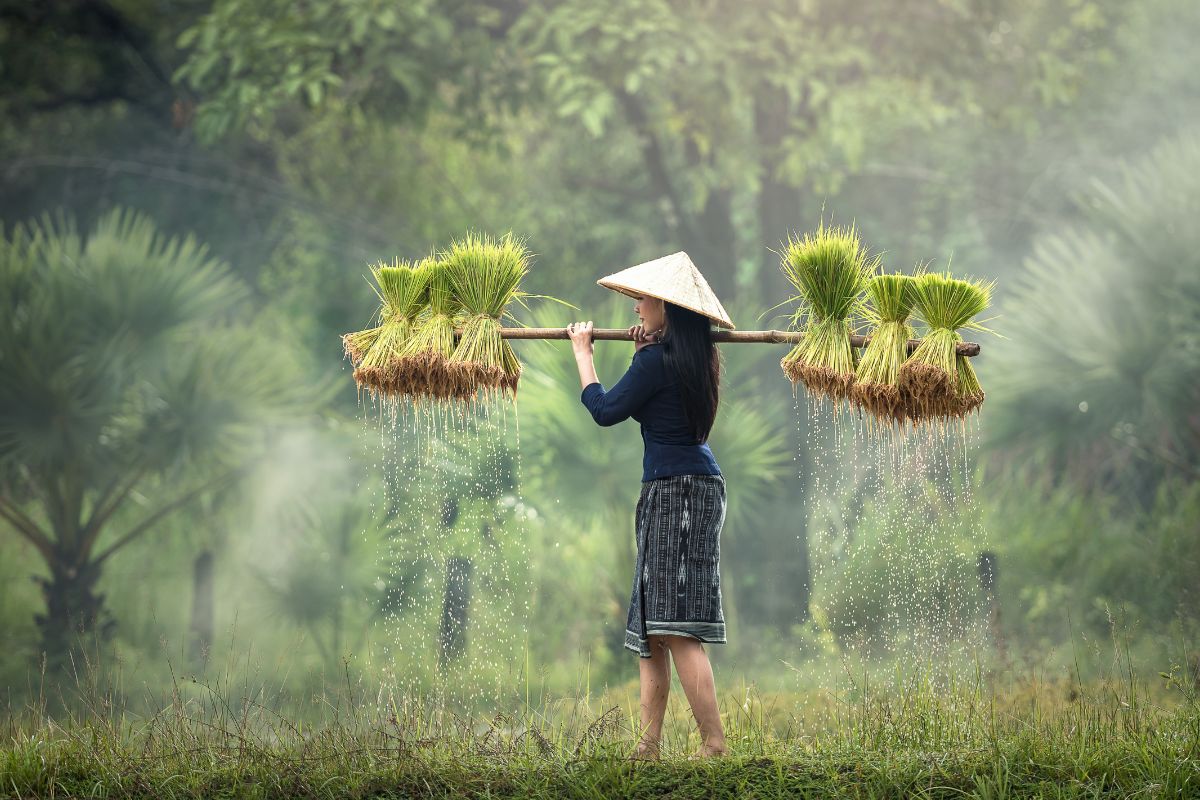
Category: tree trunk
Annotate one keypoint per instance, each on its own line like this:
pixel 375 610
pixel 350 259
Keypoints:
pixel 202 623
pixel 778 203
pixel 712 244
pixel 452 639
pixel 73 609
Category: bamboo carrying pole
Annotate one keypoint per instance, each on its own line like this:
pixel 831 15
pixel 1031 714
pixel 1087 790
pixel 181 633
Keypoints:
pixel 733 337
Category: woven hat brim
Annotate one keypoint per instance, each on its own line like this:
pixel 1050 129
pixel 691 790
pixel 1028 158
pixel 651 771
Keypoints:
pixel 636 293
pixel 690 290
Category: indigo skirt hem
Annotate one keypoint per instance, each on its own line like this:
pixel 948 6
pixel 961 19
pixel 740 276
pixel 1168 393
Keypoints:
pixel 707 632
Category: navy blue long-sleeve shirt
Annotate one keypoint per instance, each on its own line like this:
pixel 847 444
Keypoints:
pixel 648 393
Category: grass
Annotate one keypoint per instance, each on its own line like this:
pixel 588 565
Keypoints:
pixel 918 734
pixel 830 270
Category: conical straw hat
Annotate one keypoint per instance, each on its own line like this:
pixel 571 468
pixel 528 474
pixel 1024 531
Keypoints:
pixel 673 278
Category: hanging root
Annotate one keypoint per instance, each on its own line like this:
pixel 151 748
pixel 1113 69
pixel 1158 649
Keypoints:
pixel 819 381
pixel 881 400
pixel 928 388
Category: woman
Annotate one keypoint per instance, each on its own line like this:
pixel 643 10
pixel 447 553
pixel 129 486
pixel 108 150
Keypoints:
pixel 671 389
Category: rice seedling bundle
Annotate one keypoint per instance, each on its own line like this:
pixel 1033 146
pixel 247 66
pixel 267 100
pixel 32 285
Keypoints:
pixel 401 289
pixel 875 388
pixel 485 276
pixel 421 359
pixel 940 382
pixel 358 343
pixel 830 270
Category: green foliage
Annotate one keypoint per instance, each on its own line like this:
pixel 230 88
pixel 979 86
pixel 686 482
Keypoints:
pixel 95 326
pixel 1105 386
pixel 126 384
pixel 1071 561
pixel 257 60
pixel 336 134
pixel 328 582
pixel 711 114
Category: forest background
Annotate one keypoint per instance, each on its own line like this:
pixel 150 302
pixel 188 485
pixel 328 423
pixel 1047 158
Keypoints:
pixel 192 192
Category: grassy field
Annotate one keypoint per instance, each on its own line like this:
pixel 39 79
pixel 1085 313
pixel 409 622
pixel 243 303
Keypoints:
pixel 916 735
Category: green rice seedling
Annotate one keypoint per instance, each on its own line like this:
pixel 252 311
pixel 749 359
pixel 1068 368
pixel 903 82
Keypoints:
pixel 970 393
pixel 401 289
pixel 830 270
pixel 421 368
pixel 485 276
pixel 875 389
pixel 358 343
pixel 940 383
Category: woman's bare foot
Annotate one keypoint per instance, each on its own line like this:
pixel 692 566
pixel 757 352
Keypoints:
pixel 709 751
pixel 645 752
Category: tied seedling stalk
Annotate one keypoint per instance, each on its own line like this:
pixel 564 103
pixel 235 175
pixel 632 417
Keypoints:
pixel 942 384
pixel 422 359
pixel 892 298
pixel 830 270
pixel 358 343
pixel 485 276
pixel 402 292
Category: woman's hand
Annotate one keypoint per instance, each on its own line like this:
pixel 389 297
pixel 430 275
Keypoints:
pixel 581 337
pixel 641 338
pixel 581 343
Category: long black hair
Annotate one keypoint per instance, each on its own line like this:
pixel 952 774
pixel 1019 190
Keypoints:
pixel 690 354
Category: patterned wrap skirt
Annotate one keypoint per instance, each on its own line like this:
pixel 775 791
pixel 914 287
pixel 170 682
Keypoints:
pixel 677 583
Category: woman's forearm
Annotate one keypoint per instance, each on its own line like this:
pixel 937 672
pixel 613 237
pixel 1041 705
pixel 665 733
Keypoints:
pixel 587 370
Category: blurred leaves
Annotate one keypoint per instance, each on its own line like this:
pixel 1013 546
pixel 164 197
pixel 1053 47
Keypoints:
pixel 334 134
pixel 91 330
pixel 330 571
pixel 257 61
pixel 1102 375
pixel 126 383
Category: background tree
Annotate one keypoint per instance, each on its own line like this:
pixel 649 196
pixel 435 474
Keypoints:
pixel 733 110
pixel 1104 362
pixel 114 412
